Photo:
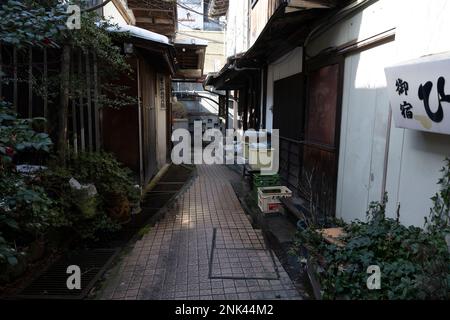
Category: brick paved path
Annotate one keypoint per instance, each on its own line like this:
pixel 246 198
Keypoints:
pixel 174 260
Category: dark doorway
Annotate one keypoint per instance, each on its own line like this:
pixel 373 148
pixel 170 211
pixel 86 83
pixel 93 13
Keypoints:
pixel 288 117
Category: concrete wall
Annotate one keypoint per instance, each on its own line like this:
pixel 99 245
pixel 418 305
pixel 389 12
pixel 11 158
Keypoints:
pixel 415 158
pixel 215 51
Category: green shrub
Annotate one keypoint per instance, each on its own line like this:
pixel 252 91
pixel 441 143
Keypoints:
pixel 26 212
pixel 88 216
pixel 18 135
pixel 414 262
pixel 106 173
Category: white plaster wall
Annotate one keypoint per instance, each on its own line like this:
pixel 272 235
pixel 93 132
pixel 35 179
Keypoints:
pixel 378 18
pixel 365 109
pixel 414 157
pixel 110 12
pixel 237 28
pixel 286 66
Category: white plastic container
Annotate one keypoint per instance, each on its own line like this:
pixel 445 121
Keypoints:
pixel 259 153
pixel 269 198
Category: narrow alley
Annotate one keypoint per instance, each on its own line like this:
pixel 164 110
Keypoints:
pixel 204 248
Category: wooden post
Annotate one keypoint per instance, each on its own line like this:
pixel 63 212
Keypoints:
pixel 73 104
pixel 245 102
pixel 227 120
pixel 64 105
pixel 89 101
pixel 81 103
pixel 264 97
pixel 96 107
pixel 15 78
pixel 30 83
pixel 45 84
pixel 1 70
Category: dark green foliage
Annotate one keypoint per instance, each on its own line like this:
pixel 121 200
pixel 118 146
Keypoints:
pixel 440 213
pixel 414 263
pixel 108 175
pixel 25 23
pixel 17 135
pixel 87 216
pixel 26 212
pixel 32 206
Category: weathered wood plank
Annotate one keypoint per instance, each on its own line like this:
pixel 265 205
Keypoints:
pixel 96 106
pixel 30 82
pixel 15 78
pixel 89 102
pixel 81 102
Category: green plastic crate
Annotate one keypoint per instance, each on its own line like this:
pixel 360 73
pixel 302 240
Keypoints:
pixel 261 181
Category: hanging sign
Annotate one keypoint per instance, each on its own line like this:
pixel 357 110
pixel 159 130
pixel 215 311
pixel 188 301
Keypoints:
pixel 161 91
pixel 419 93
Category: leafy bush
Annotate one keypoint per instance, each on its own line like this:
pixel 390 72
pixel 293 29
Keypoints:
pixel 414 262
pixel 107 174
pixel 440 213
pixel 27 204
pixel 26 23
pixel 90 216
pixel 18 135
pixel 7 253
pixel 26 211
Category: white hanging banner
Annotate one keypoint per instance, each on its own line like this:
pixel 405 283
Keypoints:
pixel 419 93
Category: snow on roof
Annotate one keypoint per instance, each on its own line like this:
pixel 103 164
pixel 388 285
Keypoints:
pixel 191 41
pixel 141 33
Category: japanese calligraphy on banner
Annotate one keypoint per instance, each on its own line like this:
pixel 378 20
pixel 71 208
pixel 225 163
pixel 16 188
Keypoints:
pixel 419 92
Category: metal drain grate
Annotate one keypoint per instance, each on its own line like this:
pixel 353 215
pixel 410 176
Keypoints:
pixel 241 253
pixel 176 174
pixel 168 187
pixel 157 200
pixel 51 284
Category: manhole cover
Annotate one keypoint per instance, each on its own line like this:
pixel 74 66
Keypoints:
pixel 52 283
pixel 241 253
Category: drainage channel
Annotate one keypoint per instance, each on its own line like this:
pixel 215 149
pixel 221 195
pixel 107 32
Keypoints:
pixel 52 284
pixel 94 261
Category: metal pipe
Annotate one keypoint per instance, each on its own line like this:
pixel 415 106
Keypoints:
pixel 386 155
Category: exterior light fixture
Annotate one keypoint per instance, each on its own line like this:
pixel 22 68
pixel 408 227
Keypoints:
pixel 128 48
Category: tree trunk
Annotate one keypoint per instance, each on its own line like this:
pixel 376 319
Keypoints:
pixel 89 102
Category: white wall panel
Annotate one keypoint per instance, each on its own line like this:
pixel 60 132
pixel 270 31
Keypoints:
pixel 363 132
pixel 415 158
